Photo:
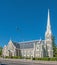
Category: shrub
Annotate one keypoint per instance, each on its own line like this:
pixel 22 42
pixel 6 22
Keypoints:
pixel 17 57
pixel 14 57
pixel 27 58
pixel 7 57
pixel 53 59
pixel 33 58
pixel 46 59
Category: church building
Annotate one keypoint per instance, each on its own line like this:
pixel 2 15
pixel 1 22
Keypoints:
pixel 35 48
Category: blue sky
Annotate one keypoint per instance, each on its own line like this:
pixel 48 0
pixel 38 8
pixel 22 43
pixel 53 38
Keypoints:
pixel 26 19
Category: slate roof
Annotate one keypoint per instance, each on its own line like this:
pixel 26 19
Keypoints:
pixel 16 44
pixel 25 45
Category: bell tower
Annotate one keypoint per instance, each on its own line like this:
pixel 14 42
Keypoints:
pixel 48 37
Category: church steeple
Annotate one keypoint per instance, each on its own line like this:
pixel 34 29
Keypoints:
pixel 48 38
pixel 48 22
pixel 48 30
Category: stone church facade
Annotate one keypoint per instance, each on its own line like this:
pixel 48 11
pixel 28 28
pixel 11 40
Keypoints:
pixel 35 48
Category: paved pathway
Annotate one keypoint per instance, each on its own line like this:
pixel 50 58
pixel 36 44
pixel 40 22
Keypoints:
pixel 25 62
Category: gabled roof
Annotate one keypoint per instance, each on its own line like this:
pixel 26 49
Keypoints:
pixel 16 44
pixel 25 44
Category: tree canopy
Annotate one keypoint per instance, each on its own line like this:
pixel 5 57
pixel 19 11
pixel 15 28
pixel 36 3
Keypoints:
pixel 54 47
pixel 0 50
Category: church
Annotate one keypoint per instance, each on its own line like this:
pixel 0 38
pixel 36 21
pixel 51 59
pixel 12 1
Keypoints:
pixel 35 48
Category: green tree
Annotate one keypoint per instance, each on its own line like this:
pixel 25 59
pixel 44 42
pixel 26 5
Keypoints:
pixel 54 47
pixel 0 50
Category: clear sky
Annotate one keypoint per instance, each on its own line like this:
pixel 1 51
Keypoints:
pixel 26 19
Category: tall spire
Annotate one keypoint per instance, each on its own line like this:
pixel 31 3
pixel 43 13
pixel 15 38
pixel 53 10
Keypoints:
pixel 48 32
pixel 48 22
pixel 48 38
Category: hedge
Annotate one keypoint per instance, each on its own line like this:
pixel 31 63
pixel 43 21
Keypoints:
pixel 14 57
pixel 43 59
pixel 46 59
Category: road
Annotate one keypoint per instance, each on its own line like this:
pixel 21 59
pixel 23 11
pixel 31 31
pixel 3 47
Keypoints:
pixel 25 62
